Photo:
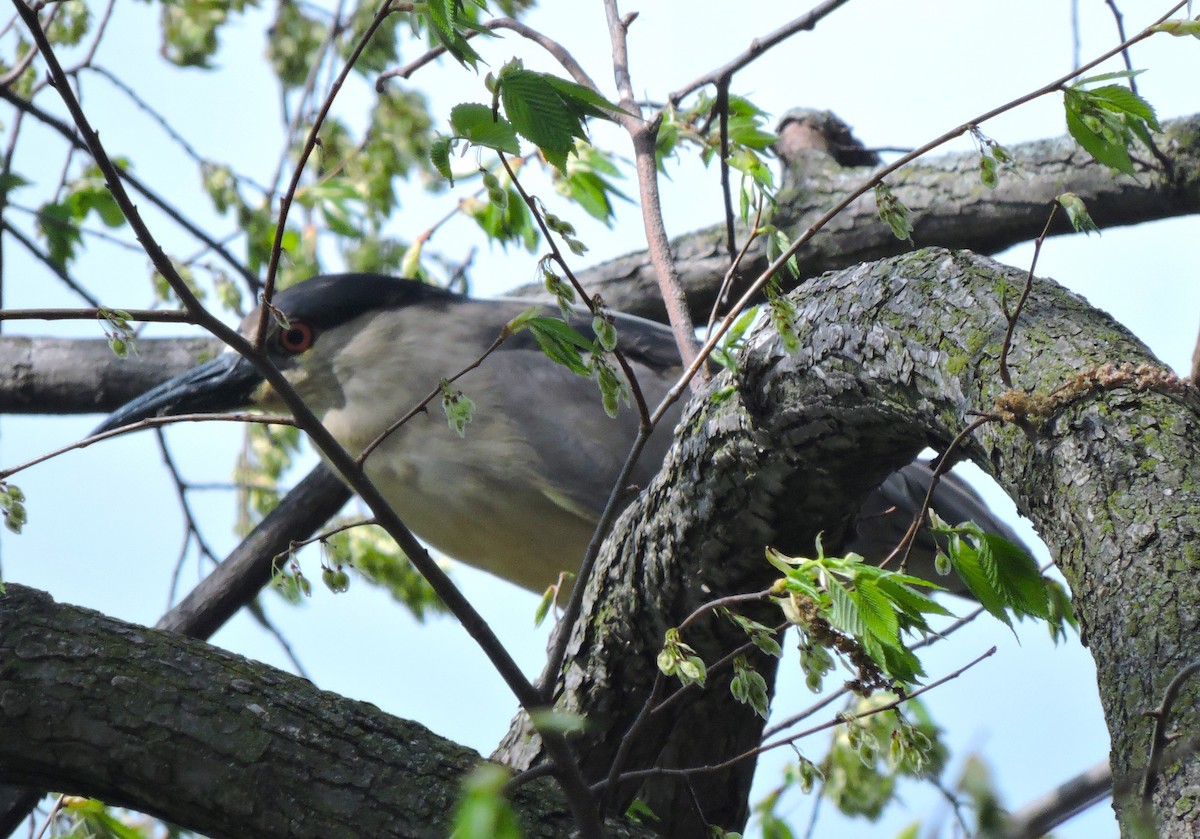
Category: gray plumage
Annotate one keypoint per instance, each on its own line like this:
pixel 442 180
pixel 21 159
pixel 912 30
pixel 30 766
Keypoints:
pixel 519 494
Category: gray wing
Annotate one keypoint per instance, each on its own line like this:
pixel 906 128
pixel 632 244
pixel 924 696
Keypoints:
pixel 562 413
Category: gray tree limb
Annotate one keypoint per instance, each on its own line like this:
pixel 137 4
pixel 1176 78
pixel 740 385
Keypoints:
pixel 951 208
pixel 173 727
pixel 82 376
pixel 897 354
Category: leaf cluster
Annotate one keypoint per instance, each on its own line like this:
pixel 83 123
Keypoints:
pixel 875 607
pixel 1106 121
pixel 565 345
pixel 874 749
pixel 548 111
pixel 12 506
pixel 371 553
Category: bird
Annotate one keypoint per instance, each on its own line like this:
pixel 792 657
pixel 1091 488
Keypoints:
pixel 520 491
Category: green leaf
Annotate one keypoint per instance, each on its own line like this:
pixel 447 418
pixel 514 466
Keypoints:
pixel 10 182
pixel 446 26
pixel 843 610
pixel 459 409
pixel 1123 100
pixel 544 606
pixel 1077 213
pixel 484 812
pixel 478 124
pixel 62 233
pixel 439 156
pixel 1017 575
pixel 877 613
pixel 912 604
pixel 613 388
pixel 560 341
pixel 1105 121
pixel 12 507
pixel 966 562
pixel 894 212
pixel 510 223
pixel 549 111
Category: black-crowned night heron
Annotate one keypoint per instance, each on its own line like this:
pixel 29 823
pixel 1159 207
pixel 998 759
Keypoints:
pixel 520 493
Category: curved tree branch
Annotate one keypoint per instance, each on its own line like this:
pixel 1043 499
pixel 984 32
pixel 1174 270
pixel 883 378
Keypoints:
pixel 898 354
pixel 950 208
pixel 206 739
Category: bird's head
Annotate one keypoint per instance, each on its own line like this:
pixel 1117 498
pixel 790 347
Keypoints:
pixel 325 335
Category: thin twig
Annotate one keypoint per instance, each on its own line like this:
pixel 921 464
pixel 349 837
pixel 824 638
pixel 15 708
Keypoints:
pixel 1011 317
pixel 141 315
pixel 149 422
pixel 285 202
pixel 758 750
pixel 1159 739
pixel 643 135
pixel 560 54
pixel 759 46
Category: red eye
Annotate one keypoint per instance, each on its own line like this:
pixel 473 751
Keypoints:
pixel 296 338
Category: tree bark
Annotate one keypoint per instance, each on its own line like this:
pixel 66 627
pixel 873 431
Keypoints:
pixel 894 355
pixel 82 376
pixel 950 208
pixel 175 728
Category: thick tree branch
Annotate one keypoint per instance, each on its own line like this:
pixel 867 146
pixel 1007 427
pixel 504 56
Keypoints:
pixel 84 376
pixel 210 741
pixel 896 355
pixel 235 583
pixel 950 208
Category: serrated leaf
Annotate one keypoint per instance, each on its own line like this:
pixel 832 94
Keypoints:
pixel 1123 100
pixel 911 603
pixel 444 25
pixel 901 663
pixel 965 561
pixel 876 611
pixel 561 342
pixel 1097 145
pixel 549 111
pixel 439 156
pixel 1017 576
pixel 843 611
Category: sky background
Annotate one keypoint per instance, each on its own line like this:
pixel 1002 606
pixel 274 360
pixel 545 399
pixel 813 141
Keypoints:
pixel 104 527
